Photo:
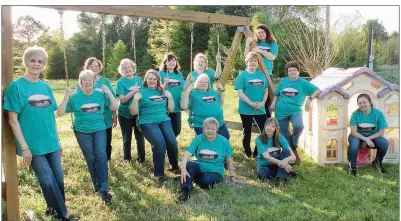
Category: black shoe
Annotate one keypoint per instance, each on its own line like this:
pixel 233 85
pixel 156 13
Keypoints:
pixel 70 218
pixel 127 161
pixel 378 166
pixel 184 195
pixel 351 170
pixel 50 212
pixel 248 155
pixel 175 170
pixel 159 181
pixel 293 174
pixel 280 183
pixel 105 196
pixel 140 160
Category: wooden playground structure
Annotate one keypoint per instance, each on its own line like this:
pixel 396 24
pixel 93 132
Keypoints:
pixel 8 145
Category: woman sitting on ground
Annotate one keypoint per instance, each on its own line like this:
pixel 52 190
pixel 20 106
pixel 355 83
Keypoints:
pixel 367 129
pixel 203 102
pixel 211 151
pixel 150 104
pixel 88 106
pixel 274 154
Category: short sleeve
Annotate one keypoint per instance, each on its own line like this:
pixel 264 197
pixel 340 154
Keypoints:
pixel 108 84
pixel 194 144
pixel 68 106
pixel 310 88
pixel 162 76
pixel 279 88
pixel 260 146
pixel 274 48
pixel 283 142
pixel 11 99
pixel 228 149
pixel 120 89
pixel 55 106
pixel 353 121
pixel 239 83
pixel 381 123
pixel 212 74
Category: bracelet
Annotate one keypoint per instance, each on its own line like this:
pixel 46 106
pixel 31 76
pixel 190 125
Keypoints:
pixel 24 149
pixel 222 90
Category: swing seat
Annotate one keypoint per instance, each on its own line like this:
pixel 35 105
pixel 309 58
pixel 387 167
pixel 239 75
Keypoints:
pixel 363 152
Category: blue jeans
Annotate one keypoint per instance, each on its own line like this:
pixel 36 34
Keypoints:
pixel 297 126
pixel 176 122
pixel 161 137
pixel 204 180
pixel 93 147
pixel 49 171
pixel 381 144
pixel 223 131
pixel 273 170
pixel 127 125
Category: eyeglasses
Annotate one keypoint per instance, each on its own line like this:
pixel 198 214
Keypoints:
pixel 93 66
pixel 33 61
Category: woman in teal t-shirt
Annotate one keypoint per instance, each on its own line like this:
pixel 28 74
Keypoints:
pixel 96 66
pixel 367 130
pixel 201 67
pixel 173 81
pixel 127 86
pixel 30 104
pixel 202 102
pixel 212 152
pixel 88 106
pixel 290 96
pixel 274 154
pixel 252 89
pixel 152 104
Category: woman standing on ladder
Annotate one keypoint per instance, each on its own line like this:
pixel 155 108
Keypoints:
pixel 88 106
pixel 173 81
pixel 31 104
pixel 96 66
pixel 127 87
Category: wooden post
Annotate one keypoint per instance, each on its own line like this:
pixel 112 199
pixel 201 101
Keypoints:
pixel 7 139
pixel 262 67
pixel 231 56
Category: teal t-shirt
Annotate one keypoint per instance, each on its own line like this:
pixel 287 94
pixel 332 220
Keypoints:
pixel 291 96
pixel 211 155
pixel 98 87
pixel 368 124
pixel 35 105
pixel 88 111
pixel 272 48
pixel 209 72
pixel 175 87
pixel 123 86
pixel 203 105
pixel 253 86
pixel 152 107
pixel 263 147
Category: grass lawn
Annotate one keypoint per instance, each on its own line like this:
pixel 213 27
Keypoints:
pixel 321 193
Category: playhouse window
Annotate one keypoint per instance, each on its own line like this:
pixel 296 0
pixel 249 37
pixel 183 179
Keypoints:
pixel 332 115
pixel 348 86
pixel 393 109
pixel 331 151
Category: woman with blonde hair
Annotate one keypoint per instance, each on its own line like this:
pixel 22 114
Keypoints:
pixel 127 86
pixel 201 67
pixel 150 105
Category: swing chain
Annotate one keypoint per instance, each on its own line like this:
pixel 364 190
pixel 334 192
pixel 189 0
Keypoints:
pixel 103 26
pixel 133 34
pixel 61 12
pixel 192 41
pixel 168 35
pixel 218 37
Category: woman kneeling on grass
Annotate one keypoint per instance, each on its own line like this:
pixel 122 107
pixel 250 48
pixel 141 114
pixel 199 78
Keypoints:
pixel 273 154
pixel 88 106
pixel 211 151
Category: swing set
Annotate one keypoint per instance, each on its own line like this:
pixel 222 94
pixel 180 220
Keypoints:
pixel 8 144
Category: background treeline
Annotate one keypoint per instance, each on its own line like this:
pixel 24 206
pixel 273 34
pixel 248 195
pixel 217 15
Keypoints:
pixel 299 30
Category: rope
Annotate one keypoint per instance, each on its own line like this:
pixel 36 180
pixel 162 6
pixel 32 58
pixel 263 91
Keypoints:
pixel 104 42
pixel 61 12
pixel 218 38
pixel 168 35
pixel 192 41
pixel 133 32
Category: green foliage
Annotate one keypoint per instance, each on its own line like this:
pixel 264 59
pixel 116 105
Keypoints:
pixel 119 53
pixel 212 44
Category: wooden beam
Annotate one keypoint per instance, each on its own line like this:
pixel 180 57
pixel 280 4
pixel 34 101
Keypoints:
pixel 231 56
pixel 7 138
pixel 262 67
pixel 158 13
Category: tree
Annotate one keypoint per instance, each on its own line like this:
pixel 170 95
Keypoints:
pixel 119 53
pixel 212 44
pixel 379 31
pixel 27 29
pixel 55 63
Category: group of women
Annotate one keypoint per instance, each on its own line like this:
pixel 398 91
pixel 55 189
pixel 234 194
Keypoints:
pixel 152 109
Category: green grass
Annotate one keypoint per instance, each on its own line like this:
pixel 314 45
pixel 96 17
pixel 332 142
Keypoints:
pixel 321 193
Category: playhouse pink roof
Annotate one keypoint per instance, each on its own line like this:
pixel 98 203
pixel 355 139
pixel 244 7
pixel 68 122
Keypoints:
pixel 333 79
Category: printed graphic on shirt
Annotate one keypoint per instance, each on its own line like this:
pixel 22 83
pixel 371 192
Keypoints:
pixel 174 83
pixel 264 48
pixel 209 99
pixel 255 82
pixel 366 127
pixel 157 98
pixel 208 155
pixel 39 101
pixel 274 151
pixel 290 92
pixel 90 108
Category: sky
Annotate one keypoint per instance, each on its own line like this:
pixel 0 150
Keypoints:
pixel 388 15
